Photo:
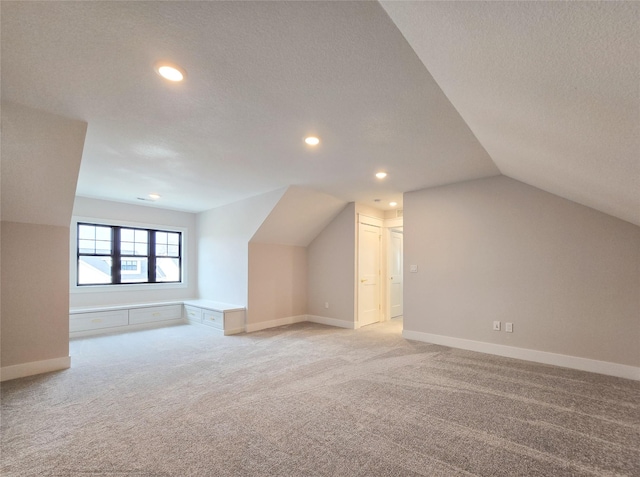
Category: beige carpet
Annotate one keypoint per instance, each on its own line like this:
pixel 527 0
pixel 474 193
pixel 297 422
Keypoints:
pixel 310 400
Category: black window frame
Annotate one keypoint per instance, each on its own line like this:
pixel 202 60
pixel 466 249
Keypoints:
pixel 117 257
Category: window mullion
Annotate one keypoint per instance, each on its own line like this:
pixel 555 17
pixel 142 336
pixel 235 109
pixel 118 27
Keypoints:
pixel 151 259
pixel 116 256
pixel 180 254
pixel 78 254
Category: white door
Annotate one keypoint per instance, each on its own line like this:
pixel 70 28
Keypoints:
pixel 395 273
pixel 368 274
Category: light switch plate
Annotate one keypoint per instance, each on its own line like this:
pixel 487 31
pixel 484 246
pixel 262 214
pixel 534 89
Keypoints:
pixel 413 268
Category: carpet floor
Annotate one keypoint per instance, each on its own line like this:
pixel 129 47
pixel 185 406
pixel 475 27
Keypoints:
pixel 311 400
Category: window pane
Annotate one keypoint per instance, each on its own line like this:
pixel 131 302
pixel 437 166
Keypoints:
pixel 167 270
pixel 140 249
pixel 126 235
pixel 137 275
pixel 173 239
pixel 103 247
pixel 86 232
pixel 173 251
pixel 103 233
pixel 126 248
pixel 94 270
pixel 141 236
pixel 86 246
pixel 161 250
pixel 161 237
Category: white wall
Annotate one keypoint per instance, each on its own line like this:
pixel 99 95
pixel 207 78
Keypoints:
pixel 567 276
pixel 277 282
pixel 40 160
pixel 223 246
pixel 125 214
pixel 331 265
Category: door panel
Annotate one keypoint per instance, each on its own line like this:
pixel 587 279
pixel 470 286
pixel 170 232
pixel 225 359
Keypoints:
pixel 368 274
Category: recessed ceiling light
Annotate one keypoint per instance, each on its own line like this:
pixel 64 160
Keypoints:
pixel 393 204
pixel 312 140
pixel 381 175
pixel 154 196
pixel 169 71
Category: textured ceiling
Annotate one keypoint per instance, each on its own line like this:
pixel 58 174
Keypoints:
pixel 550 89
pixel 260 77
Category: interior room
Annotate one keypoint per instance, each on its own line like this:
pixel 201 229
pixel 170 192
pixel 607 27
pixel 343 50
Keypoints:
pixel 336 238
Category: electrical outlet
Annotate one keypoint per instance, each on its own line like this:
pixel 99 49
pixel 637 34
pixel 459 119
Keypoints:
pixel 496 326
pixel 413 268
pixel 508 327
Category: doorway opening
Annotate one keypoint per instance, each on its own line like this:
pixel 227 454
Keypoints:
pixel 380 270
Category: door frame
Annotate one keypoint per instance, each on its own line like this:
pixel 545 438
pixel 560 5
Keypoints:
pixel 395 223
pixel 389 231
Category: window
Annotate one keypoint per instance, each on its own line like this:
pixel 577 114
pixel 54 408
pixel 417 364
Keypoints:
pixel 115 255
pixel 130 266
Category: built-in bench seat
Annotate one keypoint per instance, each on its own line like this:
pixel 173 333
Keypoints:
pixel 224 317
pixel 85 321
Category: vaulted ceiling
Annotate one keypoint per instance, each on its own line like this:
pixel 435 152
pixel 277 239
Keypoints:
pixel 550 89
pixel 431 92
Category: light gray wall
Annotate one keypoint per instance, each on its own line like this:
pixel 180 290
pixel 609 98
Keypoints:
pixel 41 156
pixel 567 276
pixel 120 213
pixel 331 265
pixel 223 246
pixel 277 282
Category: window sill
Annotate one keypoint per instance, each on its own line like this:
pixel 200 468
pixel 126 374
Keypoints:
pixel 124 287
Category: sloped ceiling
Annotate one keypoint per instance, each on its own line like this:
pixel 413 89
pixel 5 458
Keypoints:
pixel 40 159
pixel 260 77
pixel 299 216
pixel 550 89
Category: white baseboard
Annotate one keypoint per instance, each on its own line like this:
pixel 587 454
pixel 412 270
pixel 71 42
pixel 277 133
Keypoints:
pixel 573 362
pixel 323 320
pixel 34 367
pixel 263 325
